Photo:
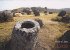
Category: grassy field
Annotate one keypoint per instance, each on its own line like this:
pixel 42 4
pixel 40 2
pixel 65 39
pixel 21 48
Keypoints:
pixel 48 34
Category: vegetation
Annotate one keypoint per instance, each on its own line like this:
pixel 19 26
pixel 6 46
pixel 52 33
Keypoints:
pixel 6 16
pixel 48 34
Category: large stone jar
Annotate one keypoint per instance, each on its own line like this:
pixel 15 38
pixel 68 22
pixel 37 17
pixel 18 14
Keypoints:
pixel 24 34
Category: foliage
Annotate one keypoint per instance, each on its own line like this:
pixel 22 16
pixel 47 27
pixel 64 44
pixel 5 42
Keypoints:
pixel 6 16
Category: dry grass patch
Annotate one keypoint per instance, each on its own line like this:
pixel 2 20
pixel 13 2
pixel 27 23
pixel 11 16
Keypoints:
pixel 47 35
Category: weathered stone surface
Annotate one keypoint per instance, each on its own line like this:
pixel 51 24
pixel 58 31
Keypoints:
pixel 36 12
pixel 66 19
pixel 45 12
pixel 50 12
pixel 62 13
pixel 24 34
pixel 41 23
pixel 64 41
pixel 27 11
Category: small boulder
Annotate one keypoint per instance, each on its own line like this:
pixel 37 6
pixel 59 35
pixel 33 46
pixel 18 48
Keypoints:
pixel 66 19
pixel 50 12
pixel 36 12
pixel 41 23
pixel 62 13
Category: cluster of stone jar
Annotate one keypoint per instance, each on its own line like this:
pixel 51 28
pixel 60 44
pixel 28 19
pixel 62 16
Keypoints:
pixel 64 17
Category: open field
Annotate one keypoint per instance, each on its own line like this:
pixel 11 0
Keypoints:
pixel 48 34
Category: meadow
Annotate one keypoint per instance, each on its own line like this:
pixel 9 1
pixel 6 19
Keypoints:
pixel 48 34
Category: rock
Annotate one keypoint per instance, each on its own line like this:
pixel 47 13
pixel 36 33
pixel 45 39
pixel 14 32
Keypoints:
pixel 66 19
pixel 45 12
pixel 24 34
pixel 50 12
pixel 41 23
pixel 62 13
pixel 36 12
pixel 65 41
pixel 27 11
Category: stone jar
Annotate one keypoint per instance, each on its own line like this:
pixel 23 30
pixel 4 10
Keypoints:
pixel 24 34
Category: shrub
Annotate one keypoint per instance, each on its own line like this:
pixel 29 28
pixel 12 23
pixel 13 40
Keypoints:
pixel 6 16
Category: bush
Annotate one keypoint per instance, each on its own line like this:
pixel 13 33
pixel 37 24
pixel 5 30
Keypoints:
pixel 6 16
